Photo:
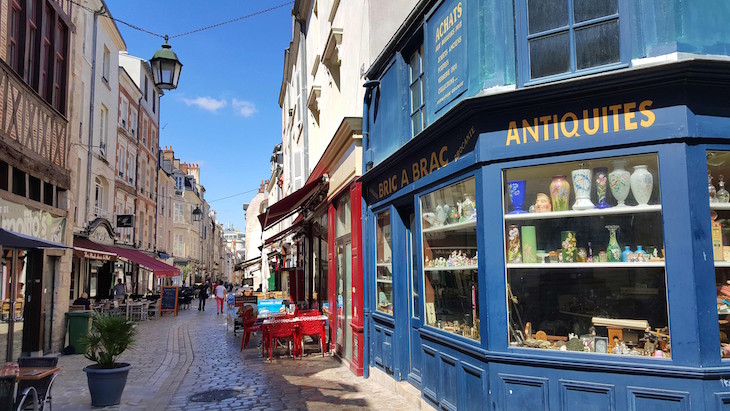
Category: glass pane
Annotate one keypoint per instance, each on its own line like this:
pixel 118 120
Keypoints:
pixel 597 45
pixel 347 314
pixel 549 55
pixel 384 266
pixel 584 10
pixel 546 14
pixel 415 96
pixel 718 166
pixel 415 65
pixel 585 257
pixel 415 302
pixel 343 216
pixel 449 222
pixel 416 122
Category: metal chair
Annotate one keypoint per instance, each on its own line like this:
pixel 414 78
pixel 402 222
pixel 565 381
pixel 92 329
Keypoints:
pixel 43 386
pixel 28 397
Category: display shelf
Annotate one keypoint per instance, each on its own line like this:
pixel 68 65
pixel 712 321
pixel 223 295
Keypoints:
pixel 719 206
pixel 593 212
pixel 651 264
pixel 460 268
pixel 722 264
pixel 452 227
pixel 384 265
pixel 384 280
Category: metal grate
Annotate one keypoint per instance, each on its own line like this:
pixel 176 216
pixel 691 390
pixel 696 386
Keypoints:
pixel 213 395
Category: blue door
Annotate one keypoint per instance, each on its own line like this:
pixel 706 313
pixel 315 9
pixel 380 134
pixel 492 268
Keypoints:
pixel 414 305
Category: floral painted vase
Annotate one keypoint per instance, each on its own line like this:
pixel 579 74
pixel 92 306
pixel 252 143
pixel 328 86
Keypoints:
pixel 567 240
pixel 468 210
pixel 600 175
pixel 642 184
pixel 516 195
pixel 640 255
pixel 620 182
pixel 613 250
pixel 560 193
pixel 514 254
pixel 582 187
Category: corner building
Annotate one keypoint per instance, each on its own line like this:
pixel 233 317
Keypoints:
pixel 539 230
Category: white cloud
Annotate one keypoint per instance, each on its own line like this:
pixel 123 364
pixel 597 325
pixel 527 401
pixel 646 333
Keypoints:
pixel 206 103
pixel 244 108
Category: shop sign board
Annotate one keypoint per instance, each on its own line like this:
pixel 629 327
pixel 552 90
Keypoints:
pixel 125 220
pixel 446 53
pixel 31 221
pixel 168 299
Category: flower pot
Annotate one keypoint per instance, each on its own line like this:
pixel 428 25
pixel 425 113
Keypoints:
pixel 106 384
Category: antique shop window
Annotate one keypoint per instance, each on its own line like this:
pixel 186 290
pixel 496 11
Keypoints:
pixel 449 221
pixel 584 252
pixel 718 168
pixel 384 265
pixel 566 36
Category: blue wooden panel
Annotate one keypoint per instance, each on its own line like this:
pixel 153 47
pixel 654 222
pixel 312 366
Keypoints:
pixel 430 373
pixel 649 399
pixel 585 396
pixel 378 346
pixel 524 393
pixel 448 395
pixel 473 388
pixel 722 401
pixel 388 350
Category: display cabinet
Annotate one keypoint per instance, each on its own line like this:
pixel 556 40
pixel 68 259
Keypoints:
pixel 718 167
pixel 584 254
pixel 384 265
pixel 449 230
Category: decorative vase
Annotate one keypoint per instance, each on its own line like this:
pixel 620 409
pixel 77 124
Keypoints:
pixel 529 244
pixel 620 182
pixel 711 188
pixel 514 255
pixel 601 176
pixel 582 186
pixel 625 254
pixel 640 255
pixel 468 210
pixel 723 196
pixel 567 240
pixel 441 214
pixel 642 184
pixel 560 193
pixel 613 251
pixel 453 214
pixel 516 195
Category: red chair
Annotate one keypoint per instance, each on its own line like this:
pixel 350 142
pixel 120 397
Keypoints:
pixel 310 326
pixel 282 330
pixel 249 326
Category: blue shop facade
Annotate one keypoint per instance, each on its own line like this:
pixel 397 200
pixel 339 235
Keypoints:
pixel 546 216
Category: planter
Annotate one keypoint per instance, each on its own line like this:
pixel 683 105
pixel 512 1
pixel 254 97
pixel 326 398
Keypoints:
pixel 106 384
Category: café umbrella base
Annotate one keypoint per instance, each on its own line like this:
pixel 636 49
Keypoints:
pixel 107 384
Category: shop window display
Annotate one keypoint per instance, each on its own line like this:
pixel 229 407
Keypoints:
pixel 584 253
pixel 718 167
pixel 384 265
pixel 450 259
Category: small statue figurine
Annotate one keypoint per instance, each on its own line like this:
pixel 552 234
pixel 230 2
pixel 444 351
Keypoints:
pixel 542 203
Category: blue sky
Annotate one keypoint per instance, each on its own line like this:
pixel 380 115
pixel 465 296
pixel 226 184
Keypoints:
pixel 225 113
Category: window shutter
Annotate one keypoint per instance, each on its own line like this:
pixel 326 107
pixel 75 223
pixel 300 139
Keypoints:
pixel 298 174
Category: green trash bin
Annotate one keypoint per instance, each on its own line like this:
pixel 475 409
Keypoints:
pixel 79 323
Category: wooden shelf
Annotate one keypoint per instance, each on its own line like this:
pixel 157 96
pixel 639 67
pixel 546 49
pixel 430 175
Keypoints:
pixel 460 268
pixel 452 227
pixel 653 264
pixel 722 264
pixel 593 212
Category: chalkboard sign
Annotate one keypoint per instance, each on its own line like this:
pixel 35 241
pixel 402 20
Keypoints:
pixel 168 299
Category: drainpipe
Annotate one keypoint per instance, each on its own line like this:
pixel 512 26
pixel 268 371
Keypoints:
pixel 367 164
pixel 157 169
pixel 303 97
pixel 136 174
pixel 91 112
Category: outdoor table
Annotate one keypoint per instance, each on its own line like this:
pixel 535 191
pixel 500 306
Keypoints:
pixel 36 373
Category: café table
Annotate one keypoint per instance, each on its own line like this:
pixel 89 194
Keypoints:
pixel 36 373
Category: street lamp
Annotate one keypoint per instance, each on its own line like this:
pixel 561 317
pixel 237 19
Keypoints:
pixel 166 67
pixel 197 214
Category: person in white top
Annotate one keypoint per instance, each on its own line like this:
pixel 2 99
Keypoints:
pixel 220 297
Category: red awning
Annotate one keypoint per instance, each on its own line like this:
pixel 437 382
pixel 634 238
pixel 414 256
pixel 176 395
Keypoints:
pixel 85 248
pixel 289 204
pixel 283 233
pixel 160 269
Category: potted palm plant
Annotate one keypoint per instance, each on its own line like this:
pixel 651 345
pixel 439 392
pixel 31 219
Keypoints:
pixel 108 337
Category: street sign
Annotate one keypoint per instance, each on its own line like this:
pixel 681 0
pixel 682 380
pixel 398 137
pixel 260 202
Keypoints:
pixel 125 220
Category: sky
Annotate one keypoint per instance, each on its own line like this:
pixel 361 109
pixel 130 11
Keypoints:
pixel 224 114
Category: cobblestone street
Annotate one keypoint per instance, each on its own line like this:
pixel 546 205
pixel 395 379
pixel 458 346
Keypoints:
pixel 175 358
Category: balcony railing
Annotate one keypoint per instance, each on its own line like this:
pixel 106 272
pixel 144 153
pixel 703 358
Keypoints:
pixel 100 212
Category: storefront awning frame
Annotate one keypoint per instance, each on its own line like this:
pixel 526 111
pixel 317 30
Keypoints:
pixel 291 203
pixel 161 270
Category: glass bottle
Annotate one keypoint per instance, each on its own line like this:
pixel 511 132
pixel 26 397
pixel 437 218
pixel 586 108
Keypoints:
pixel 723 196
pixel 613 251
pixel 711 188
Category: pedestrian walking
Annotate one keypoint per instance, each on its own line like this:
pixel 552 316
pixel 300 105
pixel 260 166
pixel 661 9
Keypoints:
pixel 119 290
pixel 203 295
pixel 220 297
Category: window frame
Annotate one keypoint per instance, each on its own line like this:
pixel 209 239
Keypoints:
pixel 523 37
pixel 421 109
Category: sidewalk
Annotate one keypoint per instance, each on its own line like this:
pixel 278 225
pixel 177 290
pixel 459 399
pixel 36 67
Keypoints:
pixel 178 361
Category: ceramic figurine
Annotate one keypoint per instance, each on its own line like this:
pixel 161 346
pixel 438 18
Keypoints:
pixel 581 255
pixel 468 211
pixel 642 184
pixel 589 259
pixel 514 255
pixel 613 251
pixel 569 246
pixel 542 203
pixel 582 187
pixel 560 193
pixel 441 214
pixel 453 214
pixel 601 176
pixel 516 195
pixel 431 219
pixel 711 188
pixel 620 182
pixel 723 196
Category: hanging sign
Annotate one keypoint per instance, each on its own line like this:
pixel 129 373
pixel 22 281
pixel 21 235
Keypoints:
pixel 31 221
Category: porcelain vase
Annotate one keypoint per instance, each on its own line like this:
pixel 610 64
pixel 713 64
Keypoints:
pixel 529 244
pixel 514 254
pixel 582 187
pixel 620 182
pixel 568 243
pixel 600 176
pixel 642 184
pixel 613 250
pixel 468 209
pixel 516 195
pixel 560 193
